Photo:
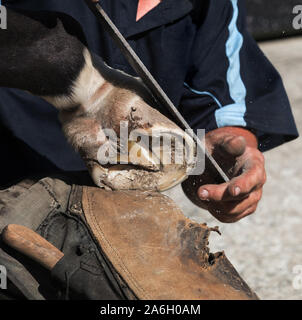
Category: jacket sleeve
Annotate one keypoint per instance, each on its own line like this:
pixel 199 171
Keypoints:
pixel 231 82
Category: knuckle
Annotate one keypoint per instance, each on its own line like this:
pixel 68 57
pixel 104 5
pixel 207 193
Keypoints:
pixel 251 210
pixel 258 196
pixel 240 216
pixel 261 157
pixel 259 160
pixel 250 180
pixel 264 178
pixel 255 197
pixel 259 174
pixel 258 156
pixel 257 178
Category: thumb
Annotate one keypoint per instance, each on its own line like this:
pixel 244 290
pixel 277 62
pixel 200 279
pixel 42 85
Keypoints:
pixel 233 145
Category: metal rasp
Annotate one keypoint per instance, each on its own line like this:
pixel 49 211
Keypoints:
pixel 149 81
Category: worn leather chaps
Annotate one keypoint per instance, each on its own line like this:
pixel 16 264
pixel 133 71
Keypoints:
pixel 116 245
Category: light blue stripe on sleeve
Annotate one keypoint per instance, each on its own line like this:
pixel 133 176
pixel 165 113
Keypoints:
pixel 204 93
pixel 233 115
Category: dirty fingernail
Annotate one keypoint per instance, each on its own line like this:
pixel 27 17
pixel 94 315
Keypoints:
pixel 204 194
pixel 237 191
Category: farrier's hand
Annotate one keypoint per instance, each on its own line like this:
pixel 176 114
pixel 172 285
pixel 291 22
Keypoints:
pixel 235 149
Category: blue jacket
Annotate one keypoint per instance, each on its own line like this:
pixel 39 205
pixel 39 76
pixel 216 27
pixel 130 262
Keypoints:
pixel 198 50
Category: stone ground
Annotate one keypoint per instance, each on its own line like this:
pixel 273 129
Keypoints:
pixel 266 247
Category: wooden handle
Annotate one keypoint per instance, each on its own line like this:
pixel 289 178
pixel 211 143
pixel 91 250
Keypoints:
pixel 32 245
